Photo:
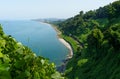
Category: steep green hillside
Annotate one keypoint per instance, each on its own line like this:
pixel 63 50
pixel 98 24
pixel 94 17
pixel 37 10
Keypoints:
pixel 98 35
pixel 19 62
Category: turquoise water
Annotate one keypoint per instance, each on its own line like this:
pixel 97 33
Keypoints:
pixel 40 37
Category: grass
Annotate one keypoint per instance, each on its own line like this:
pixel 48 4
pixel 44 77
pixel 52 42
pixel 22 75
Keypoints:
pixel 71 41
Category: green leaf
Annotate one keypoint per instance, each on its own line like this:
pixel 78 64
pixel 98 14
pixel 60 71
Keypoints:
pixel 5 75
pixel 19 64
pixel 1 55
pixel 27 73
pixel 42 61
pixel 6 59
pixel 36 75
pixel 57 75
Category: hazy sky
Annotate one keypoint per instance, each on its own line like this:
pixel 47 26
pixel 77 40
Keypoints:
pixel 31 9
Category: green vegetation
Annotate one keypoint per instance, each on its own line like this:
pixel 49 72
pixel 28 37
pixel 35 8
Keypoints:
pixel 73 43
pixel 95 38
pixel 19 62
pixel 98 34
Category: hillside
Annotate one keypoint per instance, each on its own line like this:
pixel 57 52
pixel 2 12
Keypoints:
pixel 95 38
pixel 19 62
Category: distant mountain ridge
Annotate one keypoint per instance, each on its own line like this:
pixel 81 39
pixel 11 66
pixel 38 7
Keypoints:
pixel 49 19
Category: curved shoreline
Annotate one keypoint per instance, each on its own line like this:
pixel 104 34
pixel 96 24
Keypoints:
pixel 62 68
pixel 68 46
pixel 64 42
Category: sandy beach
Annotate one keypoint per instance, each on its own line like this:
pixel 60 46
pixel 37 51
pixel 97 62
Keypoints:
pixel 68 46
pixel 70 55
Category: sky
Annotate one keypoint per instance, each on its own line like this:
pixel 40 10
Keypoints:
pixel 34 9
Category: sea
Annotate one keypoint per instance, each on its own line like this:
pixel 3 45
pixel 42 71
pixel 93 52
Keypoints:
pixel 40 37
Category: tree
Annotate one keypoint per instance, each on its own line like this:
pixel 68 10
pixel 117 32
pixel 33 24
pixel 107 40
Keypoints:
pixel 111 11
pixel 113 36
pixel 90 14
pixel 81 13
pixel 116 6
pixel 1 30
pixel 94 40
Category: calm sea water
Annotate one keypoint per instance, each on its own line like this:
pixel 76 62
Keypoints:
pixel 40 37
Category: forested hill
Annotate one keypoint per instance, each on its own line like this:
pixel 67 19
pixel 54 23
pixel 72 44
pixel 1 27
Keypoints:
pixel 98 31
pixel 19 62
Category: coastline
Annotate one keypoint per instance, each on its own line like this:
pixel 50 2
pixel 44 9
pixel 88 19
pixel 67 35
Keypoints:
pixel 64 42
pixel 62 67
pixel 70 55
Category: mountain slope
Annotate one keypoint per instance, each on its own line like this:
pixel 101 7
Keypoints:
pixel 98 32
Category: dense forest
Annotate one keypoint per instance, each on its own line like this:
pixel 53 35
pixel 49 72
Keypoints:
pixel 19 62
pixel 97 37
